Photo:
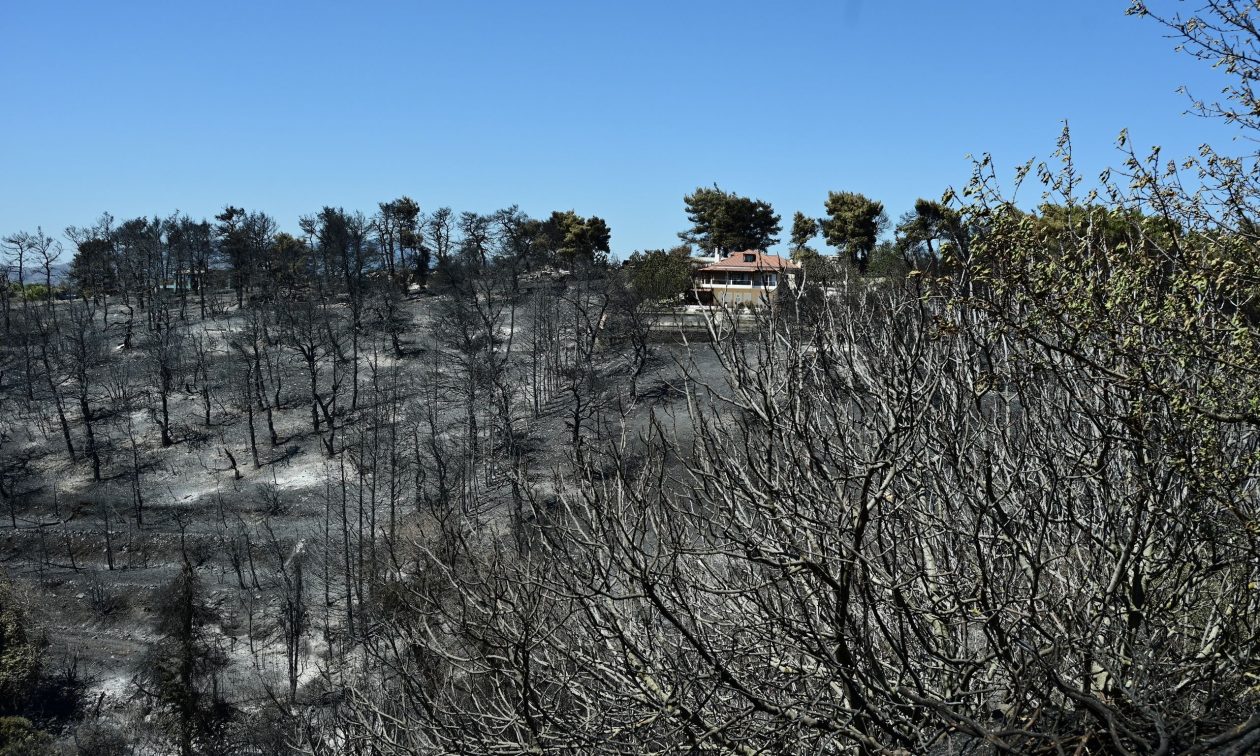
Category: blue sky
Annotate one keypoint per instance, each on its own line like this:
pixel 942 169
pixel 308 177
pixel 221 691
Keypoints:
pixel 610 108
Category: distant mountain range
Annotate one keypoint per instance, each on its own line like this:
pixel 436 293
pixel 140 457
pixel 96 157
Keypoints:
pixel 60 273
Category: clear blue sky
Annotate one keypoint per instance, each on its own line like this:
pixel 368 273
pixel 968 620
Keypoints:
pixel 610 108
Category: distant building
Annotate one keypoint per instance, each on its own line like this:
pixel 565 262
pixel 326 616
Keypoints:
pixel 545 276
pixel 747 278
pixel 214 279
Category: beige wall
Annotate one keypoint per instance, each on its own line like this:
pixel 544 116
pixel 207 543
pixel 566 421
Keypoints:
pixel 733 295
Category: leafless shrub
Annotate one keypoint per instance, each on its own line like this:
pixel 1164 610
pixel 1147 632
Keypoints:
pixel 105 601
pixel 917 521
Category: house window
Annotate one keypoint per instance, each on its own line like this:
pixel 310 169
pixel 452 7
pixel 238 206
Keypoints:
pixel 742 280
pixel 770 280
pixel 750 257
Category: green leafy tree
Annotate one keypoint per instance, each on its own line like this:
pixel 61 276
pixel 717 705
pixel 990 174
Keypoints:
pixel 522 241
pixel 659 275
pixel 931 232
pixel 574 240
pixel 292 263
pixel 588 241
pixel 233 247
pixel 400 240
pixel 804 229
pixel 19 737
pixel 724 222
pixel 246 241
pixel 35 292
pixel 182 676
pixel 853 225
pixel 1106 227
pixel 28 691
pixel 20 653
pixel 887 261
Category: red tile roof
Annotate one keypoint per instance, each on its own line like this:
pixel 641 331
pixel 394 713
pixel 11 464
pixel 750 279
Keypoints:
pixel 762 261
